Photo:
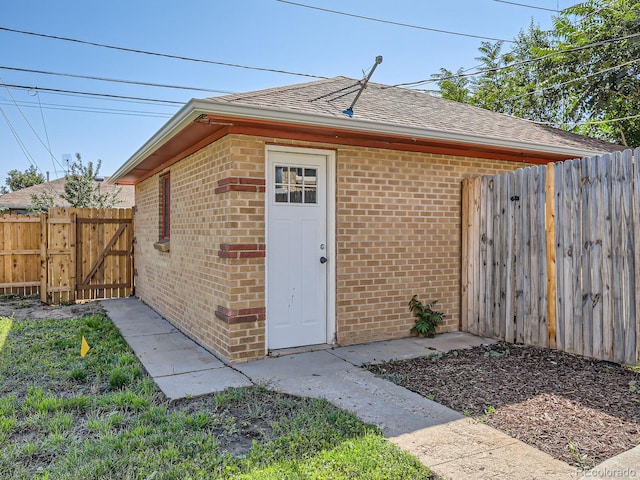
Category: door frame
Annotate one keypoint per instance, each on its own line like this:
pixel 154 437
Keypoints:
pixel 330 158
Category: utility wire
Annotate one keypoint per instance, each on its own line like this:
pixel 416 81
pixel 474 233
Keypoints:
pixel 88 109
pixel 515 64
pixel 115 80
pixel 46 134
pixel 589 122
pixel 158 54
pixel 92 94
pixel 573 80
pixel 19 141
pixel 528 6
pixel 389 22
pixel 28 123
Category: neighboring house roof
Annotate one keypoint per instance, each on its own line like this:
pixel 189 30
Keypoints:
pixel 21 199
pixel 394 117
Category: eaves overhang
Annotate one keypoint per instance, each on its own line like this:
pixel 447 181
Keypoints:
pixel 201 121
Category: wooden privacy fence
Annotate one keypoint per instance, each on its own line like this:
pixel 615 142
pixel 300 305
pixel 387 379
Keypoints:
pixel 551 256
pixel 67 254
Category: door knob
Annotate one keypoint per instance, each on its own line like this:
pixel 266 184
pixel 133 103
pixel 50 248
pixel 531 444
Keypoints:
pixel 323 259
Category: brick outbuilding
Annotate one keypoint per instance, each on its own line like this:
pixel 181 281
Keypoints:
pixel 271 220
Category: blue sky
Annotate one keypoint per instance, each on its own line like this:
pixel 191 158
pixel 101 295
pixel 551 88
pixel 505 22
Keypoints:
pixel 48 127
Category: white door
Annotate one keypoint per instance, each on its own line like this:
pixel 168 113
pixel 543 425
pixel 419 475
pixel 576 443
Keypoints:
pixel 297 248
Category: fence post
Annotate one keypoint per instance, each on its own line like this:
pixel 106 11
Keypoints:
pixel 550 218
pixel 44 263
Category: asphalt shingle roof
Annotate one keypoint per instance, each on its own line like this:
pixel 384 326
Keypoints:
pixel 409 108
pixel 21 199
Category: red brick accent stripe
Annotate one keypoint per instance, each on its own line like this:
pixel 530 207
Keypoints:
pixel 242 250
pixel 240 184
pixel 242 315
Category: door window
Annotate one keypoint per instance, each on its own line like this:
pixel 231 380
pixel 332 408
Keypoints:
pixel 296 185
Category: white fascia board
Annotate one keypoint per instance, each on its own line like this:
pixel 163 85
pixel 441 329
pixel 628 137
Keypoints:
pixel 180 120
pixel 197 107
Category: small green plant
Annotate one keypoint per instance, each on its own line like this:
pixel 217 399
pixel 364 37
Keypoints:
pixel 634 387
pixel 78 374
pixel 490 409
pixel 118 378
pixel 426 318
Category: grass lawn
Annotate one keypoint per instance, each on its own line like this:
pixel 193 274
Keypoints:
pixel 67 417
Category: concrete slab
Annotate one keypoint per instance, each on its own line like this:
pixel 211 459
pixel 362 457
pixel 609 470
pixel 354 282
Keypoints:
pixel 134 318
pixel 625 465
pixel 204 382
pixel 406 348
pixel 161 342
pixel 161 363
pixel 467 449
pixel 394 409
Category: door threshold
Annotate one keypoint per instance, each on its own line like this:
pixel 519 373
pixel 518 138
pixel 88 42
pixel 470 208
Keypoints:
pixel 304 349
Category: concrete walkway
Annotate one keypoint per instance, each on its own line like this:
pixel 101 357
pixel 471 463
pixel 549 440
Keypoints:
pixel 451 445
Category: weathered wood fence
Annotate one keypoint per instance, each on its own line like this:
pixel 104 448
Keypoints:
pixel 551 256
pixel 67 254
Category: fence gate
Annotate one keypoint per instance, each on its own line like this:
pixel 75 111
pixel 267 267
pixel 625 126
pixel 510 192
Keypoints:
pixel 86 254
pixel 551 256
pixel 504 257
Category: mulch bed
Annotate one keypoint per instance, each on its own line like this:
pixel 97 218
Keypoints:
pixel 578 410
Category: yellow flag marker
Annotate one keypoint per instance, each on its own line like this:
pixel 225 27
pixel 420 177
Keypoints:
pixel 84 348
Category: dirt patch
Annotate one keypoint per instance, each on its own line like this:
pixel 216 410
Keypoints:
pixel 578 410
pixel 30 308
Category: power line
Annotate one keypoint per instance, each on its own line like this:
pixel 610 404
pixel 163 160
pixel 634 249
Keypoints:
pixel 87 109
pixel 528 6
pixel 19 141
pixel 92 94
pixel 114 80
pixel 516 64
pixel 589 122
pixel 46 134
pixel 28 122
pixel 389 22
pixel 158 54
pixel 573 80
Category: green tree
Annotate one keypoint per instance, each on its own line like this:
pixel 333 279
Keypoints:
pixel 17 180
pixel 80 190
pixel 583 75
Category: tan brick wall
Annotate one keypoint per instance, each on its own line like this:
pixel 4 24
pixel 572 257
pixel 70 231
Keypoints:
pixel 398 234
pixel 187 284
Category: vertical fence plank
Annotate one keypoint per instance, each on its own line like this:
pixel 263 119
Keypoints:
pixel 616 243
pixel 485 216
pixel 532 273
pixel 586 261
pixel 568 225
pixel 44 263
pixel 560 254
pixel 550 231
pixel 607 258
pixel 595 268
pixel 636 231
pixel 509 264
pixel 498 251
pixel 474 267
pixel 519 194
pixel 628 267
pixel 503 259
pixel 465 256
pixel 542 332
pixel 576 246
